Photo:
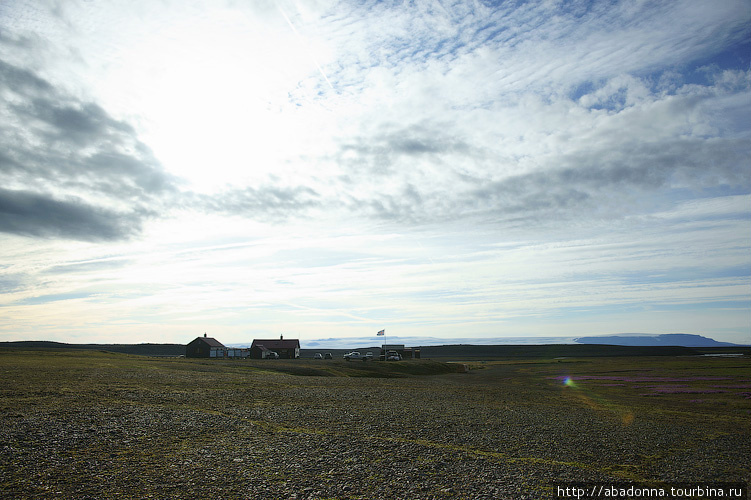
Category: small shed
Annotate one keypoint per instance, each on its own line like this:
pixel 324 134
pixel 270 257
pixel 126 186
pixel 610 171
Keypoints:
pixel 404 352
pixel 286 349
pixel 205 347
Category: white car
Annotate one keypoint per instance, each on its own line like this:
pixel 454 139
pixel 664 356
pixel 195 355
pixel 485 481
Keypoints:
pixel 318 356
pixel 393 356
pixel 354 355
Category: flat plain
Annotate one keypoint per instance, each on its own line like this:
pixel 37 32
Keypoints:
pixel 88 424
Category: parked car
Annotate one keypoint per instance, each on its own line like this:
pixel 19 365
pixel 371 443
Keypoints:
pixel 369 355
pixel 328 356
pixel 354 356
pixel 393 356
pixel 272 355
pixel 318 356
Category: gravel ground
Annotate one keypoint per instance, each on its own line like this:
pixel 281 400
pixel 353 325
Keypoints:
pixel 169 433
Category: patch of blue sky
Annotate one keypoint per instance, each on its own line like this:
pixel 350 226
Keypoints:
pixel 320 257
pixel 451 295
pixel 581 8
pixel 582 89
pixel 450 47
pixel 708 192
pixel 592 312
pixel 424 52
pixel 83 267
pixel 703 71
pixel 742 338
pixel 8 285
pixel 55 297
pixel 707 211
pixel 717 305
pixel 678 275
pixel 573 314
pixel 491 32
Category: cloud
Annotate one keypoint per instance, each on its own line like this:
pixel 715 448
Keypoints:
pixel 68 168
pixel 270 203
pixel 499 51
pixel 32 214
pixel 538 111
pixel 624 148
pixel 440 112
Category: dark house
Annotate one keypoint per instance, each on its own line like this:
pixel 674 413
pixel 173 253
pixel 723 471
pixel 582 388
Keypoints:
pixel 205 347
pixel 286 349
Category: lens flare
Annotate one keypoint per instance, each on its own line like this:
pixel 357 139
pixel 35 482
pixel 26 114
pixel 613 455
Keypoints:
pixel 596 401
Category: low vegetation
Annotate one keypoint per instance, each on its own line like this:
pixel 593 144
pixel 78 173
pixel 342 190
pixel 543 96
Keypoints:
pixel 89 424
pixel 342 368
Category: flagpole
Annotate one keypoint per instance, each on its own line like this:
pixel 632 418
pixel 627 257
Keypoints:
pixel 382 333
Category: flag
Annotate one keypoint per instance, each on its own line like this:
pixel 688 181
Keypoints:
pixel 382 332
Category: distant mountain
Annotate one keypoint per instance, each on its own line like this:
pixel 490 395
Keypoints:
pixel 667 339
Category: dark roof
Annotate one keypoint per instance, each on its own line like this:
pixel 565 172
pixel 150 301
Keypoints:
pixel 212 342
pixel 276 344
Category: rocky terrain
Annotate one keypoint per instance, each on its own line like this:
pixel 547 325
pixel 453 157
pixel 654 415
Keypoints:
pixel 95 425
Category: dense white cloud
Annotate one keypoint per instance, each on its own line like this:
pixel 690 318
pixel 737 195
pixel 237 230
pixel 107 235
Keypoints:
pixel 331 168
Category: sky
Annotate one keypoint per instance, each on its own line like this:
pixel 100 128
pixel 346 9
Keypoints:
pixel 328 169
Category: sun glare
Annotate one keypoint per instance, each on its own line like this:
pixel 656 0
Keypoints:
pixel 219 96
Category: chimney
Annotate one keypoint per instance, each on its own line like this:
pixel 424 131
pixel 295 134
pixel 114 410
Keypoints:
pixel 204 335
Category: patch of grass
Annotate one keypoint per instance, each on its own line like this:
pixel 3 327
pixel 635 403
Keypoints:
pixel 698 386
pixel 341 368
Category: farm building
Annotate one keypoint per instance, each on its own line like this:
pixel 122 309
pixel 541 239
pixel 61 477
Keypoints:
pixel 205 347
pixel 404 352
pixel 238 352
pixel 286 349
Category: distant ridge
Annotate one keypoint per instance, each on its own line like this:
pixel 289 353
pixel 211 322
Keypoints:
pixel 667 339
pixel 550 351
pixel 140 349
